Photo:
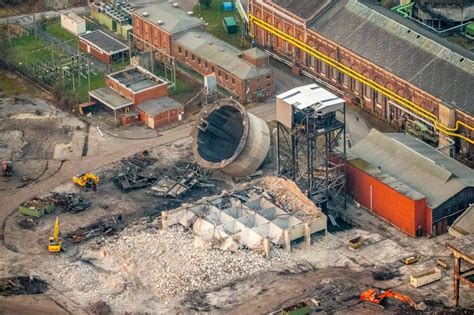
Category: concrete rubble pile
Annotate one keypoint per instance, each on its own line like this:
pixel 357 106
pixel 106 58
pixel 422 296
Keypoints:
pixel 255 218
pixel 168 263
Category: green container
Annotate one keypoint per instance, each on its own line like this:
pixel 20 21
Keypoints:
pixel 230 25
pixel 36 208
pixel 470 29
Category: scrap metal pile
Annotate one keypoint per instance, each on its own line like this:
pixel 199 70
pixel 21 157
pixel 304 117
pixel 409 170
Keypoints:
pixel 177 180
pixel 105 227
pixel 131 174
pixel 70 202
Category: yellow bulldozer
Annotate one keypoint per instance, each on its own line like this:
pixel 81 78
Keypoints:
pixel 55 241
pixel 86 180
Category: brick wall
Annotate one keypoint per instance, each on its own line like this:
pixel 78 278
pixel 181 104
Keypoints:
pixel 138 97
pixel 364 96
pixel 163 119
pixel 225 79
pixel 101 55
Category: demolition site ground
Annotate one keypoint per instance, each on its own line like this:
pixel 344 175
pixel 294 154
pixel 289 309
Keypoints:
pixel 118 257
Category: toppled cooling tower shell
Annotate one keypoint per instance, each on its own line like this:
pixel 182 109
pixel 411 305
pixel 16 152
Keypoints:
pixel 226 137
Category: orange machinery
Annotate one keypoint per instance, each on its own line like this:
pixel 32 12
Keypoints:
pixel 375 296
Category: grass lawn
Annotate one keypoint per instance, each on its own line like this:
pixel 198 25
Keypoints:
pixel 214 16
pixel 82 92
pixel 11 85
pixel 55 29
pixel 28 50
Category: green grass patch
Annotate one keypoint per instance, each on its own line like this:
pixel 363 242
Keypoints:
pixel 82 92
pixel 28 50
pixel 214 16
pixel 181 85
pixel 55 29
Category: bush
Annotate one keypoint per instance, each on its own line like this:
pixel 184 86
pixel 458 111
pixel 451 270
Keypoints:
pixel 205 3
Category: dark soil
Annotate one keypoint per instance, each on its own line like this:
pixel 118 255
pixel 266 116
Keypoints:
pixel 22 285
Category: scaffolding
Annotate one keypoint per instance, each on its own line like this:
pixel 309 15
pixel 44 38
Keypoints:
pixel 311 143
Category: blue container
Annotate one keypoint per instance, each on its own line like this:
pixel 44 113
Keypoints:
pixel 228 6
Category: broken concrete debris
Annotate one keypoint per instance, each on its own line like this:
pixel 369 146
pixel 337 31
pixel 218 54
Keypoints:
pixel 252 218
pixel 174 265
pixel 106 227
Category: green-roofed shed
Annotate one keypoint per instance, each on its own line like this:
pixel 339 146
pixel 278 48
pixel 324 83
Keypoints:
pixel 230 25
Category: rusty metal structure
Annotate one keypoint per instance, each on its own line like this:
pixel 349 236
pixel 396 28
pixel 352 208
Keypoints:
pixel 311 142
pixel 228 138
pixel 463 249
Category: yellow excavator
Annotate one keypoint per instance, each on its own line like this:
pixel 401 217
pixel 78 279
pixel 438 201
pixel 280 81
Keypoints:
pixel 55 241
pixel 86 180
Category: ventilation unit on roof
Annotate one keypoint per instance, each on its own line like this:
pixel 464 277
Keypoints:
pixel 190 12
pixel 176 5
pixel 160 22
pixel 145 14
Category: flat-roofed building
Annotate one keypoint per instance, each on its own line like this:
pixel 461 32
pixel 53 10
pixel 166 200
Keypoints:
pixel 102 46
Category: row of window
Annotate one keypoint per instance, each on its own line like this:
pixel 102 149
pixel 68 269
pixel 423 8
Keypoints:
pixel 356 87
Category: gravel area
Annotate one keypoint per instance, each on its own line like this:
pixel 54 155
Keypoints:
pixel 166 264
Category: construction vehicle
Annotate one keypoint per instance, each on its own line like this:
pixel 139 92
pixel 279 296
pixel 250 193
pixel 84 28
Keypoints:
pixel 7 168
pixel 377 297
pixel 55 241
pixel 86 180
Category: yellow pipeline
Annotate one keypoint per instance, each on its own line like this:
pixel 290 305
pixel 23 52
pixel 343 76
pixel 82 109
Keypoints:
pixel 372 84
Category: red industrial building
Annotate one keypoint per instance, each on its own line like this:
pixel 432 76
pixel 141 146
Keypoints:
pixel 408 183
pixel 102 46
pixel 407 62
pixel 170 31
pixel 136 94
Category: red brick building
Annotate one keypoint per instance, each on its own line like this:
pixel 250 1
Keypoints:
pixel 381 46
pixel 156 25
pixel 168 29
pixel 137 94
pixel 245 75
pixel 408 183
pixel 102 46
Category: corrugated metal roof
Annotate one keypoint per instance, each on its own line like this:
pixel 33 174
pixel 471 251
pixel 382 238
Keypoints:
pixel 413 163
pixel 312 95
pixel 167 17
pixel 305 9
pixel 399 49
pixel 464 224
pixel 205 46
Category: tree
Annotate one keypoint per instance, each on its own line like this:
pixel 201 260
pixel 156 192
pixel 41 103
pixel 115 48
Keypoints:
pixel 205 3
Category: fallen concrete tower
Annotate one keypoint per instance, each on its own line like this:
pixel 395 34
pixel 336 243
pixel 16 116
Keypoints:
pixel 229 138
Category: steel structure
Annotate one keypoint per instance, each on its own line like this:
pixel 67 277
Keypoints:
pixel 311 143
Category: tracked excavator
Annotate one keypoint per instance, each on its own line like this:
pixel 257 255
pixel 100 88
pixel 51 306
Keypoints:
pixel 55 241
pixel 86 180
pixel 377 297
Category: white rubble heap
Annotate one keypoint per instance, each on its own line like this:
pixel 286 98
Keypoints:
pixel 169 263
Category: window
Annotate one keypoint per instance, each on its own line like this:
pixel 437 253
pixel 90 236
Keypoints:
pixel 199 61
pixel 367 91
pixel 345 80
pixel 322 68
pixel 186 53
pixel 233 81
pixel 311 61
pixel 333 74
pixel 192 57
pixel 205 64
pixel 213 69
pixel 219 73
pixel 226 78
pixel 356 86
pixel 379 97
pixel 179 50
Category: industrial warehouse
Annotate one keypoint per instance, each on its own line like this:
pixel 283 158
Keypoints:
pixel 242 157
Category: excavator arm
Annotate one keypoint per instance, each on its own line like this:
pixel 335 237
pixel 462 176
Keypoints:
pixel 377 296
